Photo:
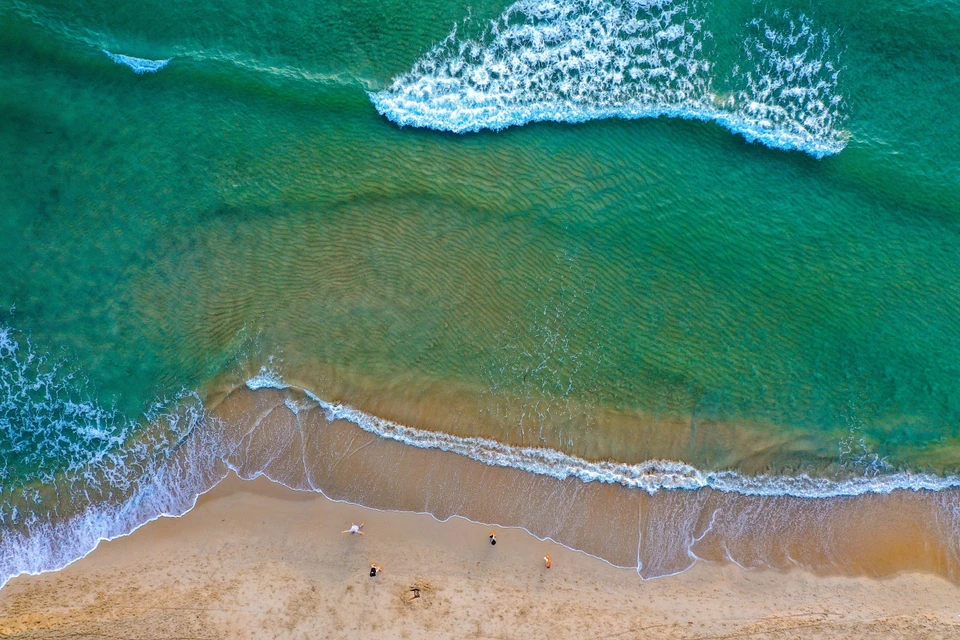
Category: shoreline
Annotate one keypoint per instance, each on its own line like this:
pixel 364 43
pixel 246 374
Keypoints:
pixel 651 475
pixel 283 436
pixel 255 559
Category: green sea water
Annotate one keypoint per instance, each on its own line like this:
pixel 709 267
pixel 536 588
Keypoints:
pixel 247 205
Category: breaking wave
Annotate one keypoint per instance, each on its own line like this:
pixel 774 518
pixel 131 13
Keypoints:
pixel 73 472
pixel 139 65
pixel 578 60
pixel 651 476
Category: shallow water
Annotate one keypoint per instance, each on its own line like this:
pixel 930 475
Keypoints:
pixel 763 281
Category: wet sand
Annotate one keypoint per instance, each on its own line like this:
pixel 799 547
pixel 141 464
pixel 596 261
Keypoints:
pixel 871 535
pixel 257 560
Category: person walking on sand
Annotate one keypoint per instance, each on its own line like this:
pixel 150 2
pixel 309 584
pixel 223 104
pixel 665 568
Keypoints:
pixel 354 529
pixel 493 538
pixel 375 569
pixel 548 561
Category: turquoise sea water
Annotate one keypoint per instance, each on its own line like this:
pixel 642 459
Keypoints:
pixel 737 223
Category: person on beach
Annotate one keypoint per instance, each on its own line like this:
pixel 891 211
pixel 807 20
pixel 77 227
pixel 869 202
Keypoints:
pixel 493 538
pixel 354 529
pixel 375 569
pixel 548 561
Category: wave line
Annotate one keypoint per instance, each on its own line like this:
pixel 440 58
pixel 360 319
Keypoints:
pixel 651 475
pixel 578 60
pixel 139 65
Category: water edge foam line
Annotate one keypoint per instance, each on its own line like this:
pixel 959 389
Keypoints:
pixel 650 476
pixel 171 488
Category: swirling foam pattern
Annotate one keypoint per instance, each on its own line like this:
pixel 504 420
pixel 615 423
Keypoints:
pixel 580 60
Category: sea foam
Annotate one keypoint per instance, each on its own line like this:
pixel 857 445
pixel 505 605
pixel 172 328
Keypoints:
pixel 650 476
pixel 73 472
pixel 578 60
pixel 139 65
pixel 266 379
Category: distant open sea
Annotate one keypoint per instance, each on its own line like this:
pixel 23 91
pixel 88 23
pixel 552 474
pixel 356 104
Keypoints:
pixel 685 247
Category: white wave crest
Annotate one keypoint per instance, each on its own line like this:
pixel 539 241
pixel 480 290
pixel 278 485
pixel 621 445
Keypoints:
pixel 789 78
pixel 651 476
pixel 266 379
pixel 71 471
pixel 578 60
pixel 139 65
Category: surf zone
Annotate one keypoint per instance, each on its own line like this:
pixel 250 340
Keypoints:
pixel 582 60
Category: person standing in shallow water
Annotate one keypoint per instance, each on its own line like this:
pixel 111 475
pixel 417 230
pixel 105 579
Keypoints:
pixel 493 538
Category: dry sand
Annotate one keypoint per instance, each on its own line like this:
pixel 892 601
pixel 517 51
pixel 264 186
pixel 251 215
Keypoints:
pixel 256 560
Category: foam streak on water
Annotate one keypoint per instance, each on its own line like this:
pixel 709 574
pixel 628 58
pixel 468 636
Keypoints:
pixel 139 65
pixel 266 379
pixel 578 60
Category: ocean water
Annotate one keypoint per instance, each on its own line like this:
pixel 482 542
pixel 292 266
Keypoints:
pixel 677 246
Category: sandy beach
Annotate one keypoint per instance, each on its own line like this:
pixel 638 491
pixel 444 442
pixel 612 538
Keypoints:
pixel 258 560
